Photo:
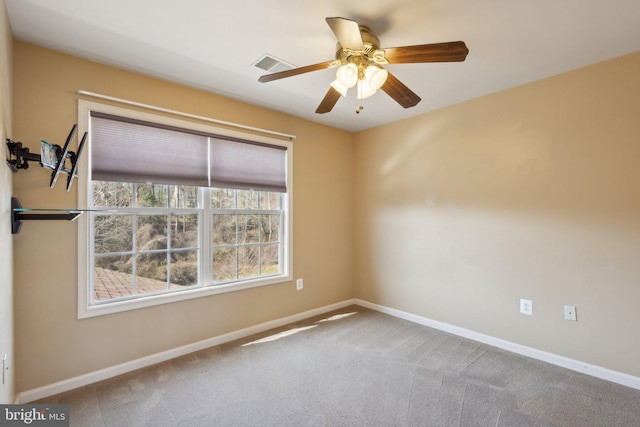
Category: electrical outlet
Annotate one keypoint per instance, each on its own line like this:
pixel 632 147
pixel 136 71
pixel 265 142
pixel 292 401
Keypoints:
pixel 570 313
pixel 526 307
pixel 299 284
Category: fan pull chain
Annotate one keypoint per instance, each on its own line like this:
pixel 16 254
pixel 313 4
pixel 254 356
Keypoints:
pixel 359 98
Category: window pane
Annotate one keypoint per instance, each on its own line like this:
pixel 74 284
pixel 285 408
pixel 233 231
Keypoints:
pixel 112 277
pixel 182 196
pixel 248 229
pixel 151 195
pixel 112 233
pixel 247 199
pixel 269 228
pixel 224 229
pixel 248 262
pixel 151 272
pixel 152 232
pixel 223 198
pixel 184 268
pixel 184 231
pixel 270 259
pixel 112 194
pixel 269 200
pixel 224 264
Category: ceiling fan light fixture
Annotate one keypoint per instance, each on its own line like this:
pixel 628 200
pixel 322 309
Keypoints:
pixel 347 75
pixel 365 90
pixel 339 87
pixel 359 60
pixel 375 76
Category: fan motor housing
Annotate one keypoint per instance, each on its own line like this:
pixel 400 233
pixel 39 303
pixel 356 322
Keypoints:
pixel 371 44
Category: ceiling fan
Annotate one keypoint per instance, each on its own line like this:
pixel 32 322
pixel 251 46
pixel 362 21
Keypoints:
pixel 359 60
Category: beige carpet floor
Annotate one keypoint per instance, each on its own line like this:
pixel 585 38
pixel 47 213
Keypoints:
pixel 353 367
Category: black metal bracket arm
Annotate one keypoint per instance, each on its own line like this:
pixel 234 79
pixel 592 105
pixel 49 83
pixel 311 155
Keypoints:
pixel 18 157
pixel 55 157
pixel 20 214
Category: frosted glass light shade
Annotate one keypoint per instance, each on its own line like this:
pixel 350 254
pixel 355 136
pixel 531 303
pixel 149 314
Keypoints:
pixel 347 75
pixel 376 76
pixel 364 89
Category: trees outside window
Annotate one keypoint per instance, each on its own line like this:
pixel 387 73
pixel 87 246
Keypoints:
pixel 149 238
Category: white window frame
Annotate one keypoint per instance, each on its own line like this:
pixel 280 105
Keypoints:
pixel 85 272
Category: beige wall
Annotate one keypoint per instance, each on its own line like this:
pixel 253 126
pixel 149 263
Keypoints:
pixel 532 192
pixel 455 215
pixel 7 390
pixel 51 344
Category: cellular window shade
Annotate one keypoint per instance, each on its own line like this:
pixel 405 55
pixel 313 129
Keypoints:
pixel 246 165
pixel 130 150
pixel 135 151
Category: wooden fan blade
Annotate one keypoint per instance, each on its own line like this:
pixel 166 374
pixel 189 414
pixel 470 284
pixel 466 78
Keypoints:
pixel 347 32
pixel 296 71
pixel 398 91
pixel 435 52
pixel 328 101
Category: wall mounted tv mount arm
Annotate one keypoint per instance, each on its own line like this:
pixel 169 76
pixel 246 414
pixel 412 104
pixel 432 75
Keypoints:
pixel 51 156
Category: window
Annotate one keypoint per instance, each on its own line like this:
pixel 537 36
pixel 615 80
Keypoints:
pixel 178 210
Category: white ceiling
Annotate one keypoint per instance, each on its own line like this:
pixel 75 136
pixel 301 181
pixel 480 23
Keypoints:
pixel 213 44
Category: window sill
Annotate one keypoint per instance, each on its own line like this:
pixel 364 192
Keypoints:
pixel 87 311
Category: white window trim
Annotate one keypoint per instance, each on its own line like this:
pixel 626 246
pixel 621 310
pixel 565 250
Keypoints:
pixel 85 310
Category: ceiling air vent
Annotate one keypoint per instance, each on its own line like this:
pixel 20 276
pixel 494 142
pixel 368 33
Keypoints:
pixel 272 64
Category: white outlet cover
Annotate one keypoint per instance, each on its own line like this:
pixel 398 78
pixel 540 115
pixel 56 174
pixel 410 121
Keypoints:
pixel 526 307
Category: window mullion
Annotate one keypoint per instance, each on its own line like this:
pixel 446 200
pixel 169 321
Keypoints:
pixel 205 264
pixel 285 247
pixel 237 222
pixel 169 246
pixel 134 250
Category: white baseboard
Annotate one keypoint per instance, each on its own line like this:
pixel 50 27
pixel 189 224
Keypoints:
pixel 565 362
pixel 113 371
pixel 123 368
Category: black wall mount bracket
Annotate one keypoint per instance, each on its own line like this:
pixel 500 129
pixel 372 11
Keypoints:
pixel 52 156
